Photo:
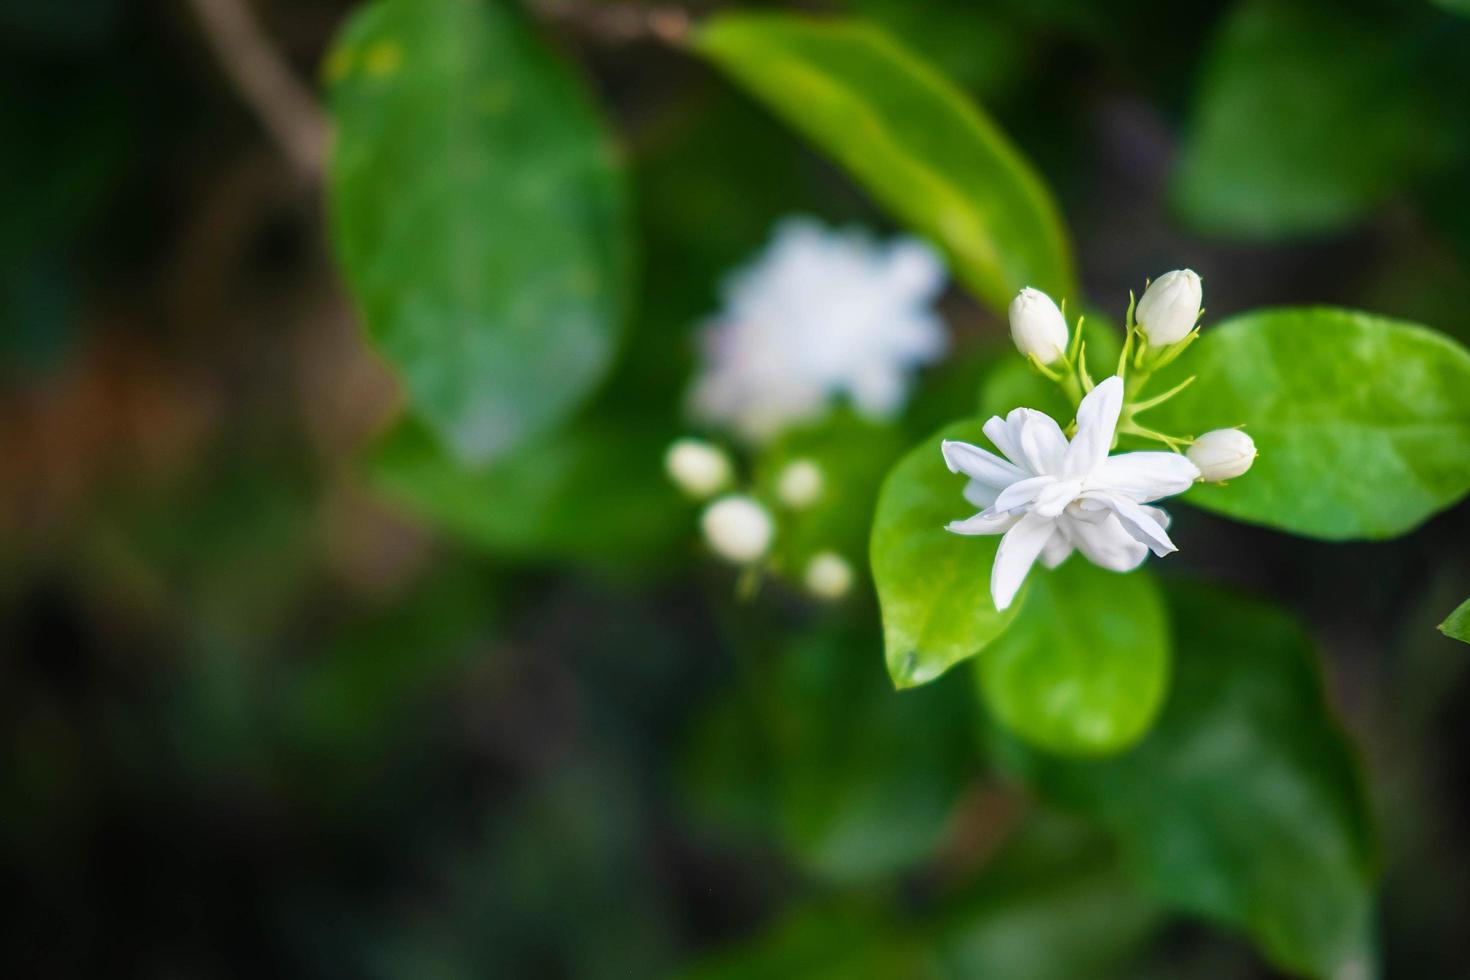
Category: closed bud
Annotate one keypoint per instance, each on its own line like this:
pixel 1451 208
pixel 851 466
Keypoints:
pixel 1037 326
pixel 697 468
pixel 737 528
pixel 1170 306
pixel 1222 454
pixel 799 484
pixel 828 575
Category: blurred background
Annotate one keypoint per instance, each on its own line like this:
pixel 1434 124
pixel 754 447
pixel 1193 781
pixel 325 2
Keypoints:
pixel 258 717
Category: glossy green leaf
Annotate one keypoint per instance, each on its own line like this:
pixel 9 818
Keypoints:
pixel 923 150
pixel 1244 804
pixel 1362 423
pixel 478 215
pixel 594 491
pixel 1308 114
pixel 1084 668
pixel 817 751
pixel 933 586
pixel 1457 624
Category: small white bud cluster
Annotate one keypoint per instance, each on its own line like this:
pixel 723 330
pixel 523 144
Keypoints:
pixel 1161 326
pixel 739 528
pixel 1222 454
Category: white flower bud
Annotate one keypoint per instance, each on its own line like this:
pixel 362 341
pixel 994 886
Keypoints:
pixel 1037 326
pixel 1222 454
pixel 799 484
pixel 1170 306
pixel 697 468
pixel 737 528
pixel 828 575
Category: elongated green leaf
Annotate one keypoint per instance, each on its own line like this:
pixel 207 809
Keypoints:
pixel 596 491
pixel 1084 668
pixel 1243 804
pixel 478 215
pixel 934 586
pixel 1362 423
pixel 853 779
pixel 1308 115
pixel 907 135
pixel 1457 624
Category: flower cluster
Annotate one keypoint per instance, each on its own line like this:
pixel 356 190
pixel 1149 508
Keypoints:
pixel 1048 495
pixel 738 527
pixel 821 314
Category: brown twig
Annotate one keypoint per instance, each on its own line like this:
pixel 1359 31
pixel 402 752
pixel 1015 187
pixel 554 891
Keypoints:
pixel 619 22
pixel 265 82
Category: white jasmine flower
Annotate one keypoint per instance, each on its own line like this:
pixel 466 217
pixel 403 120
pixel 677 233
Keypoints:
pixel 1037 326
pixel 1222 454
pixel 799 484
pixel 828 575
pixel 697 467
pixel 737 528
pixel 1048 496
pixel 820 314
pixel 1170 306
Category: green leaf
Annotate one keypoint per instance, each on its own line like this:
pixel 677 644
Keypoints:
pixel 596 491
pixel 478 215
pixel 1244 804
pixel 1052 906
pixel 1084 668
pixel 817 751
pixel 933 586
pixel 1457 624
pixel 908 136
pixel 1307 116
pixel 1362 423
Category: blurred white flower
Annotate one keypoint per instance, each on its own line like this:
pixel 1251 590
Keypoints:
pixel 799 484
pixel 820 314
pixel 1037 326
pixel 1222 454
pixel 737 528
pixel 828 575
pixel 697 467
pixel 1170 306
pixel 1048 496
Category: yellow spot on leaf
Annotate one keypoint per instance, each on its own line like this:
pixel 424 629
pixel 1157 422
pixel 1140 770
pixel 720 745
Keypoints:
pixel 382 59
